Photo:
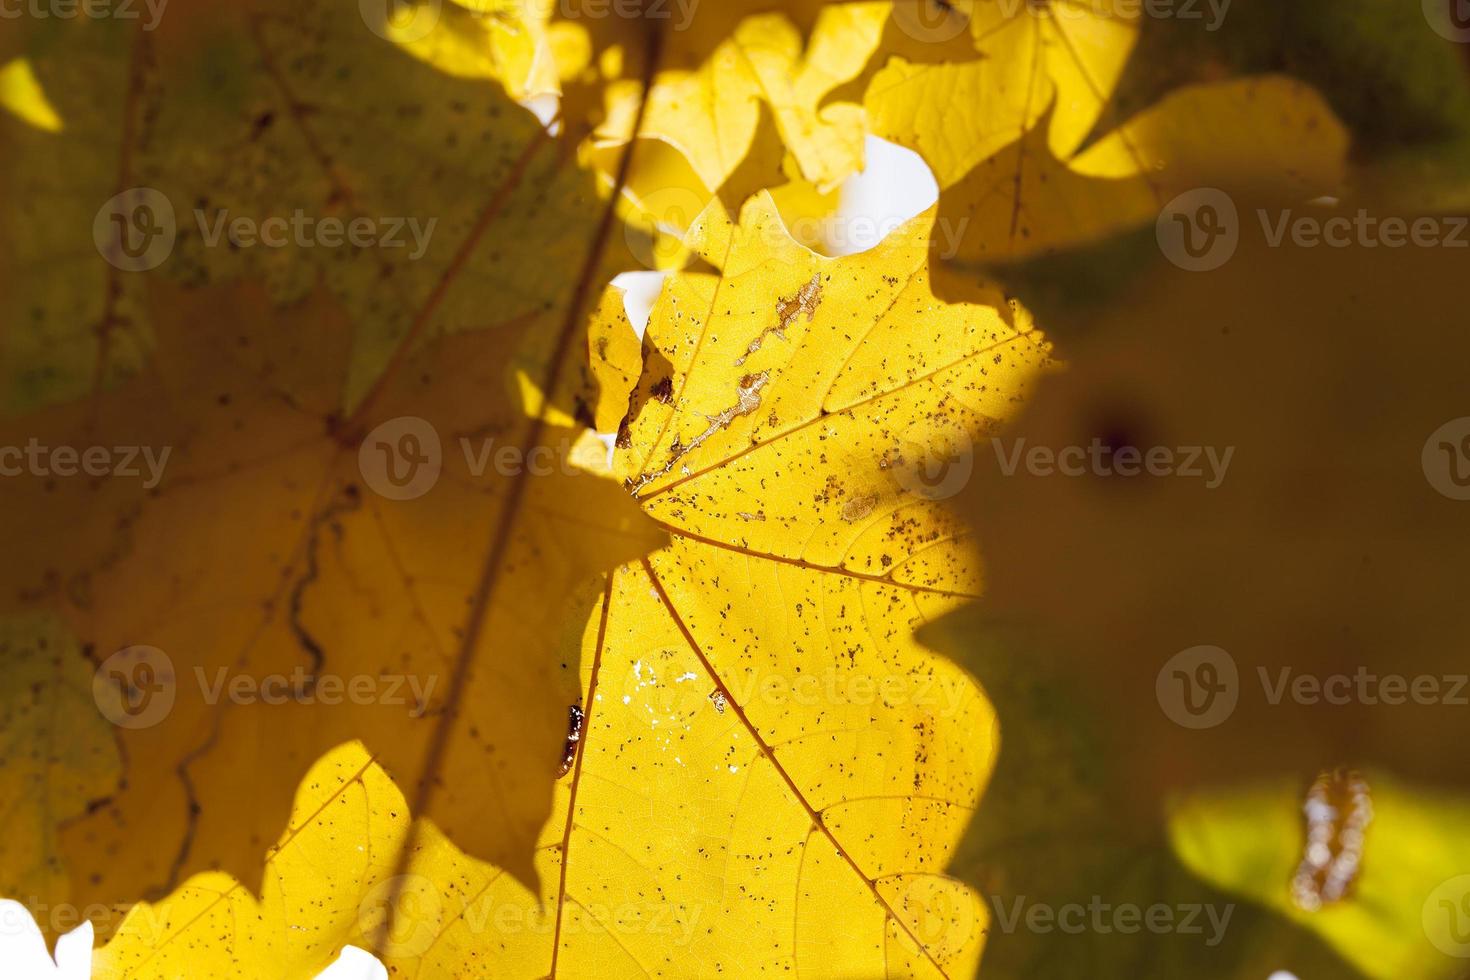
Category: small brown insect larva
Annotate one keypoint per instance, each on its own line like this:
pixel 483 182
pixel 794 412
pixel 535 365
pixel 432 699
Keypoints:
pixel 574 735
pixel 1338 810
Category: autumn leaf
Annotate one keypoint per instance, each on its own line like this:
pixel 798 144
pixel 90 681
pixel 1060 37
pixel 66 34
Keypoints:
pixel 273 114
pixel 1077 123
pixel 778 434
pixel 314 544
pixel 59 754
pixel 1017 108
pixel 1033 116
pixel 1033 58
pixel 745 96
pixel 285 401
pixel 735 69
pixel 1023 201
pixel 505 40
pixel 727 789
pixel 326 577
pixel 1039 158
pixel 340 844
pixel 614 361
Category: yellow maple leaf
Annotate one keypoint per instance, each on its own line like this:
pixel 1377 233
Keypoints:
pixel 1032 156
pixel 1023 201
pixel 505 40
pixel 299 581
pixel 781 432
pixel 57 756
pixel 1036 59
pixel 287 401
pixel 758 741
pixel 302 150
pixel 614 359
pixel 711 113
